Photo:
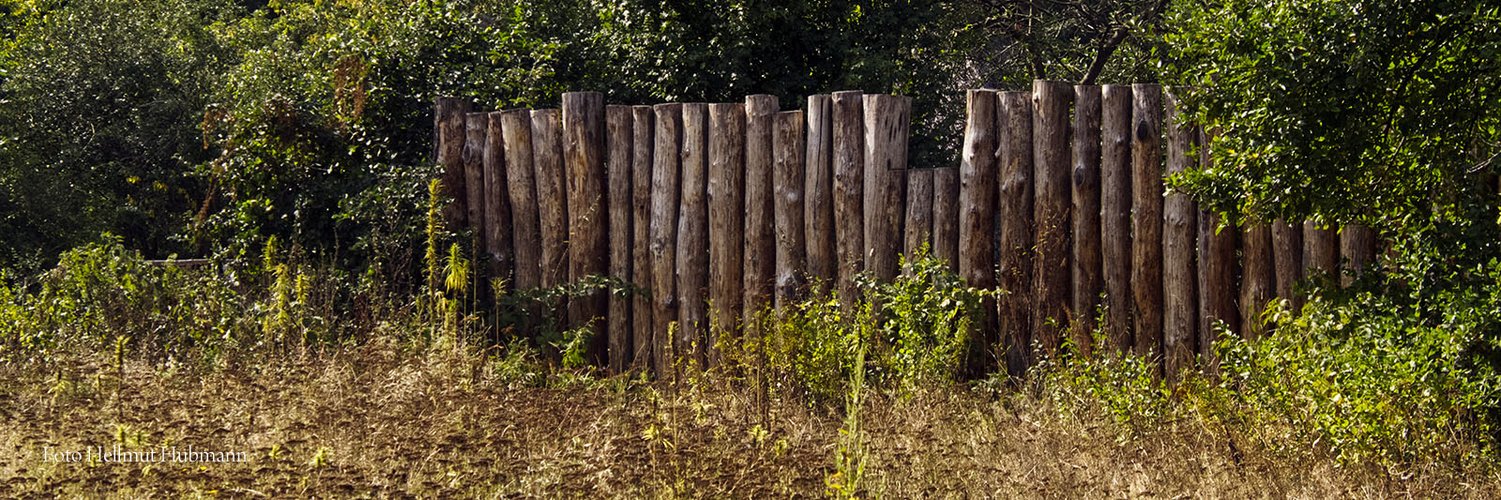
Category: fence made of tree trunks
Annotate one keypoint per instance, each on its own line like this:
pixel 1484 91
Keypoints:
pixel 715 213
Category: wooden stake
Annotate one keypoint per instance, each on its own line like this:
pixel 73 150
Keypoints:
pixel 664 231
pixel 1357 246
pixel 726 220
pixel 693 237
pixel 1287 256
pixel 886 122
pixel 1017 243
pixel 1257 284
pixel 620 135
pixel 1087 273
pixel 1217 266
pixel 1115 213
pixel 642 128
pixel 819 192
pixel 499 244
pixel 516 132
pixel 760 224
pixel 1179 284
pixel 791 248
pixel 547 158
pixel 849 191
pixel 919 223
pixel 588 247
pixel 946 215
pixel 1320 251
pixel 449 135
pixel 1050 153
pixel 1146 218
pixel 977 225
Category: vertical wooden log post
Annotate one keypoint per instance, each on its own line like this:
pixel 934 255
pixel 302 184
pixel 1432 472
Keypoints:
pixel 1257 282
pixel 448 128
pixel 1088 281
pixel 1217 266
pixel 552 212
pixel 516 131
pixel 1115 212
pixel 693 237
pixel 499 244
pixel 726 220
pixel 526 231
pixel 791 249
pixel 760 224
pixel 1320 251
pixel 919 225
pixel 642 128
pixel 1146 217
pixel 1050 153
pixel 588 247
pixel 818 190
pixel 664 231
pixel 1017 243
pixel 886 122
pixel 1357 247
pixel 1180 297
pixel 977 225
pixel 1287 257
pixel 476 131
pixel 946 215
pixel 619 133
pixel 848 140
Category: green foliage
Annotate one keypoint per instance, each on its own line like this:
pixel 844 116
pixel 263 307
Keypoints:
pixel 1380 386
pixel 99 106
pixel 1340 109
pixel 913 328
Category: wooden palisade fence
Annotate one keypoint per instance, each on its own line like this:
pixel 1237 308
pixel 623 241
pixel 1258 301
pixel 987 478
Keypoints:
pixel 714 213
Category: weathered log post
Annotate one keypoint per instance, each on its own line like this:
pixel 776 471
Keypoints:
pixel 1217 266
pixel 886 123
pixel 1357 247
pixel 1017 240
pixel 588 247
pixel 499 245
pixel 476 132
pixel 977 225
pixel 521 188
pixel 919 224
pixel 760 224
pixel 726 221
pixel 1287 257
pixel 618 129
pixel 946 215
pixel 1146 218
pixel 664 232
pixel 693 237
pixel 449 137
pixel 1115 213
pixel 642 128
pixel 791 248
pixel 819 192
pixel 848 139
pixel 1320 251
pixel 1050 153
pixel 547 161
pixel 516 132
pixel 1180 296
pixel 1258 281
pixel 1087 274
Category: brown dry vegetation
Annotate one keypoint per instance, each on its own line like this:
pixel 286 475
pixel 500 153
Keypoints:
pixel 386 420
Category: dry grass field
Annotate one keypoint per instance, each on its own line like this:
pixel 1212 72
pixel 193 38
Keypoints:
pixel 381 420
